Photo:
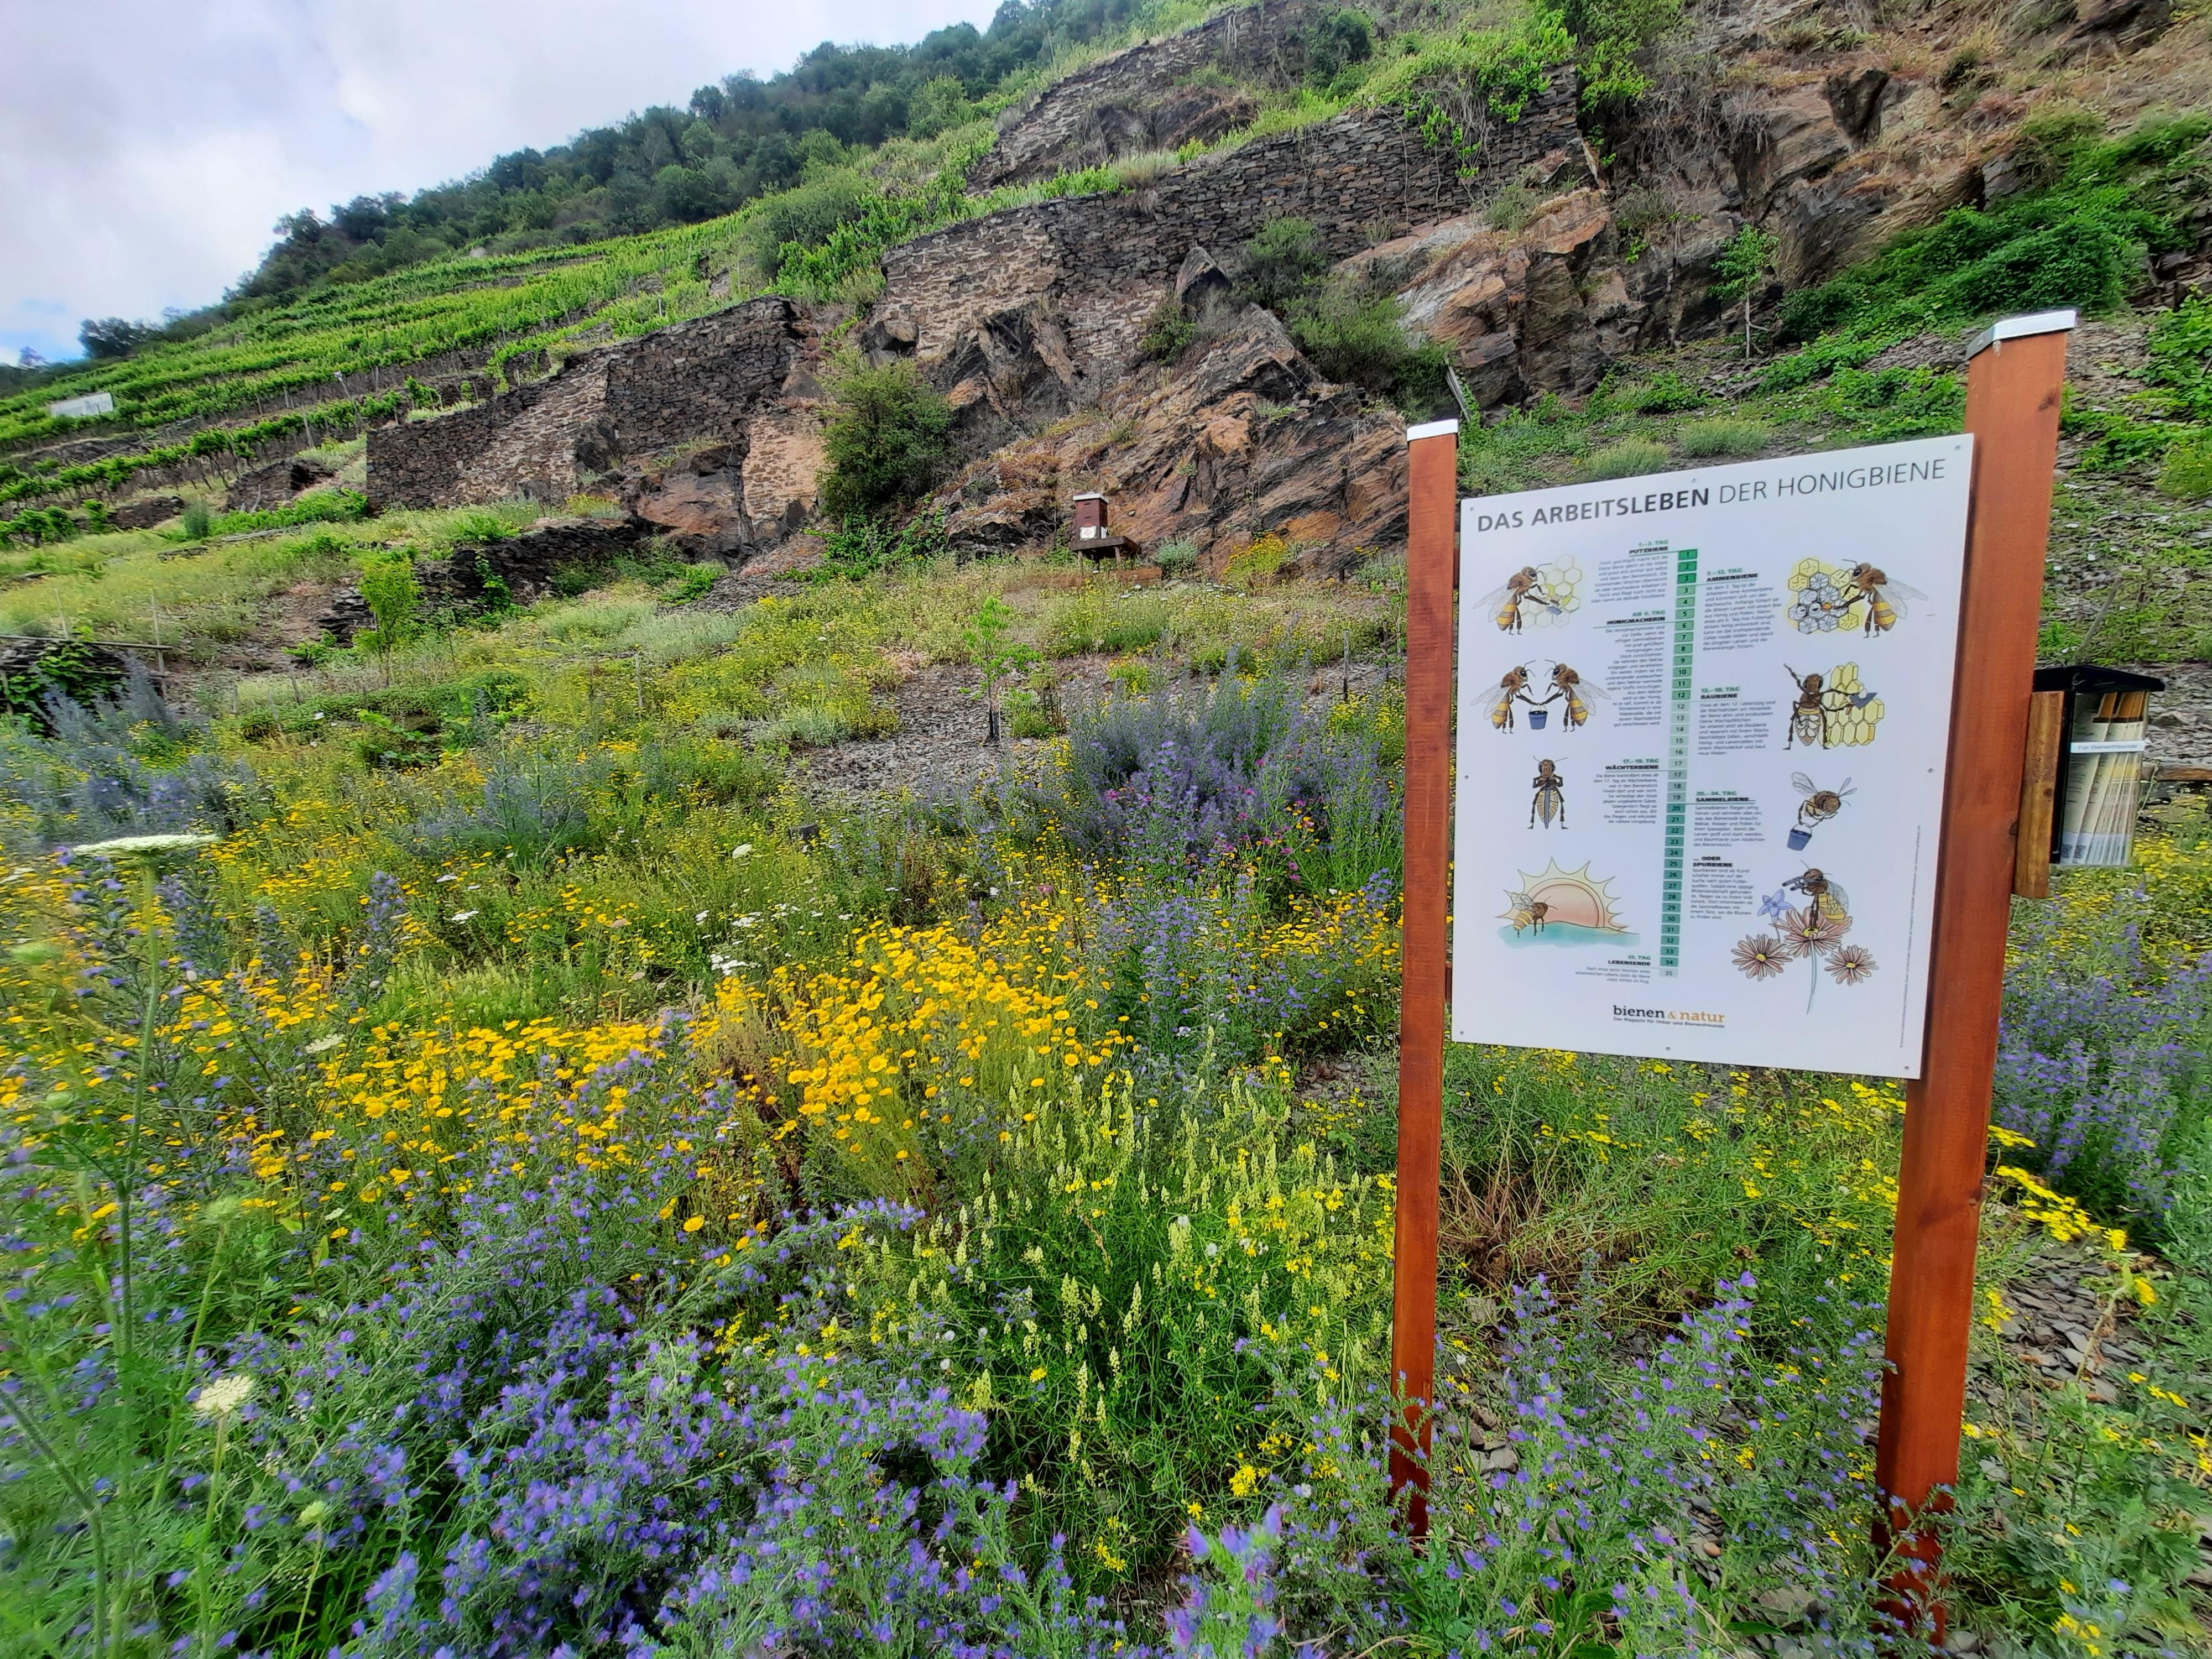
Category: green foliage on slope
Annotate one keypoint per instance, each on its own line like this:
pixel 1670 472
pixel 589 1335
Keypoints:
pixel 2076 241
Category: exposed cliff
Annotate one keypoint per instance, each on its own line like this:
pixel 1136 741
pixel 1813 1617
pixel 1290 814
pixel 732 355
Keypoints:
pixel 1577 238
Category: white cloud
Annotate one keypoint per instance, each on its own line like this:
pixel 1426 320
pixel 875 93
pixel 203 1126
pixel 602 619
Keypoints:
pixel 147 148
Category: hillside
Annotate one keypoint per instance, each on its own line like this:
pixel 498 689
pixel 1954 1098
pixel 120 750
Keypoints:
pixel 724 1047
pixel 1546 240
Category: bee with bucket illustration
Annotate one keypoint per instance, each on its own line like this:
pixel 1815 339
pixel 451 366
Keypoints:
pixel 1542 594
pixel 1818 807
pixel 1550 801
pixel 1570 688
pixel 1831 710
pixel 1828 599
pixel 1512 687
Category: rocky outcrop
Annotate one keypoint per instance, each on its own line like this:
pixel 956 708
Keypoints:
pixel 1244 437
pixel 1036 310
pixel 1150 96
pixel 701 380
pixel 145 513
pixel 1522 312
pixel 276 484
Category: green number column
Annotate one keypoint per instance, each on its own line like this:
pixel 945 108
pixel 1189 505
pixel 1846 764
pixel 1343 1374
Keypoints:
pixel 1679 691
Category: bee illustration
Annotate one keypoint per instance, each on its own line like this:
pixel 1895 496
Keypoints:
pixel 1511 688
pixel 1821 895
pixel 1817 704
pixel 1524 587
pixel 1885 599
pixel 1567 684
pixel 1527 912
pixel 1550 801
pixel 1819 805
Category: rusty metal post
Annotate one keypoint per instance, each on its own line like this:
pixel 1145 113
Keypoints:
pixel 1432 561
pixel 2017 372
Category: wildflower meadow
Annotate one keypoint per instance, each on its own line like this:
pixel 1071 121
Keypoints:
pixel 557 1192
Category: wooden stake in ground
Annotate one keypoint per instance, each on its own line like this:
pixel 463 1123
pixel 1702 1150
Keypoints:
pixel 2017 372
pixel 1431 561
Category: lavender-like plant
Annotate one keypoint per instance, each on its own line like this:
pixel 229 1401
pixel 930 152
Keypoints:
pixel 2096 1058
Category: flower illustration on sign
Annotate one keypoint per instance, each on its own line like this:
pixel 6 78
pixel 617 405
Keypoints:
pixel 1810 929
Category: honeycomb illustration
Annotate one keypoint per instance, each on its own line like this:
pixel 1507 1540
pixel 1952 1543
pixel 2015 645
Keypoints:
pixel 1817 604
pixel 1563 581
pixel 1848 728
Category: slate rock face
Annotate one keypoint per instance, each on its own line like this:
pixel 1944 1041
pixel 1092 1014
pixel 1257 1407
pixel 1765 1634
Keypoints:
pixel 145 513
pixel 700 379
pixel 1243 436
pixel 276 484
pixel 1146 97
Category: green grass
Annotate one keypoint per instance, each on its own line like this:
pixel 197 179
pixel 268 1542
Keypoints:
pixel 1627 458
pixel 1722 436
pixel 213 594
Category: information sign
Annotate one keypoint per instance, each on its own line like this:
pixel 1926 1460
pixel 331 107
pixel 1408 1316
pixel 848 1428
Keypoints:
pixel 1703 718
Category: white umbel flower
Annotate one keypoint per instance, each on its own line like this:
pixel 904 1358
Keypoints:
pixel 122 847
pixel 224 1396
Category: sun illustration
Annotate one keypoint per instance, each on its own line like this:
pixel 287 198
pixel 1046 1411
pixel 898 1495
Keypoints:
pixel 1569 898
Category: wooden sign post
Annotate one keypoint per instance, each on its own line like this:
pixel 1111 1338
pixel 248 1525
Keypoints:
pixel 2014 383
pixel 2015 377
pixel 1432 567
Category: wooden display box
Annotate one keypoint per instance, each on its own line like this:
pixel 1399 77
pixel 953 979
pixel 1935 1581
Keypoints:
pixel 2101 770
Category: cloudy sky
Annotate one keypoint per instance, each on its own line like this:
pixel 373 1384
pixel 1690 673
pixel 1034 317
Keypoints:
pixel 147 147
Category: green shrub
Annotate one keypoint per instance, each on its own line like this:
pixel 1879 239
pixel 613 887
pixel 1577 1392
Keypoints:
pixel 479 524
pixel 1359 337
pixel 1511 208
pixel 1178 557
pixel 861 547
pixel 2049 143
pixel 2187 473
pixel 1286 258
pixel 805 217
pixel 1664 393
pixel 1723 434
pixel 318 507
pixel 1105 620
pixel 1340 40
pixel 1168 330
pixel 2181 356
pixel 197 521
pixel 1889 403
pixel 691 583
pixel 1627 458
pixel 888 439
pixel 394 596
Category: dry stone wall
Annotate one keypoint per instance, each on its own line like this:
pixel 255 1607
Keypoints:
pixel 698 380
pixel 1096 265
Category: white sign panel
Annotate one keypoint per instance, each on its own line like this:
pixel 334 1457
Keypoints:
pixel 1702 725
pixel 88 407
